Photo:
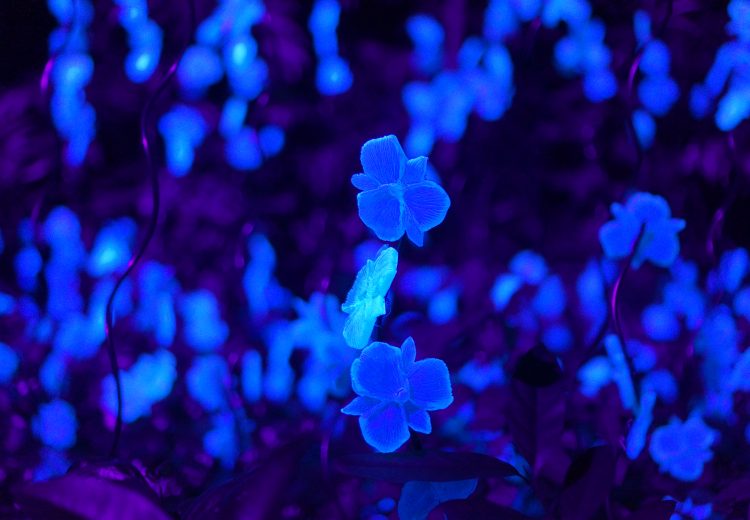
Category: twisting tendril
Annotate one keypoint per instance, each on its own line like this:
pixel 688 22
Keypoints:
pixel 614 301
pixel 150 231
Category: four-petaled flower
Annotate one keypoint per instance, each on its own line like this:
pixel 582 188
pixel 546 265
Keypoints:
pixel 396 392
pixel 396 195
pixel 366 299
pixel 658 243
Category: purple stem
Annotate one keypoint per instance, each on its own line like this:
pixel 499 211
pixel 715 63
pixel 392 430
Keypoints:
pixel 150 231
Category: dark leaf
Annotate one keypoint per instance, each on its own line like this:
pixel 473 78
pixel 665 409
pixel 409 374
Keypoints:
pixel 83 496
pixel 734 492
pixel 656 511
pixel 588 483
pixel 435 466
pixel 536 416
pixel 538 368
pixel 479 508
pixel 254 496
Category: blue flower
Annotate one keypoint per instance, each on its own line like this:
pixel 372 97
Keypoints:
pixel 396 196
pixel 366 299
pixel 659 243
pixel 681 449
pixel 396 392
pixel 55 424
pixel 9 362
pixel 149 380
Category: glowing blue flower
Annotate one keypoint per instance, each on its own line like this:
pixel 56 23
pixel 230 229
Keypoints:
pixel 396 393
pixel 156 306
pixel 663 383
pixel 681 449
pixel 396 196
pixel 200 67
pixel 111 250
pixel 9 361
pixel 53 464
pixel 479 377
pixel 221 440
pixel 595 375
pixel 659 243
pixel 526 268
pixel 208 382
pixel 55 424
pixel 183 129
pixel 146 382
pixel 204 329
pixel 252 376
pixel 366 299
pixel 428 37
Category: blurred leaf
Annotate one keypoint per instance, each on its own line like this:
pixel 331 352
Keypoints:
pixel 538 368
pixel 435 466
pixel 536 408
pixel 479 508
pixel 656 511
pixel 254 496
pixel 588 482
pixel 82 496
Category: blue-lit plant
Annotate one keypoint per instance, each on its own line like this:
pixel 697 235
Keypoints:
pixel 728 77
pixel 395 391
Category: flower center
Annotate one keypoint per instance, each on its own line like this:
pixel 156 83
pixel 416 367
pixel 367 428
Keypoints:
pixel 402 394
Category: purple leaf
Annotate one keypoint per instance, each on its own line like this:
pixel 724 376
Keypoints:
pixel 479 508
pixel 536 410
pixel 538 368
pixel 88 497
pixel 655 511
pixel 588 482
pixel 254 496
pixel 435 466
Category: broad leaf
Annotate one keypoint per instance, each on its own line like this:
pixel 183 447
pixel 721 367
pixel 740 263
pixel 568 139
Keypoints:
pixel 434 466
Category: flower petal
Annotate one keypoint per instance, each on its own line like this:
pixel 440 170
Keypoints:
pixel 358 327
pixel 412 230
pixel 360 406
pixel 383 159
pixel 660 244
pixel 364 182
pixel 385 428
pixel 430 384
pixel 408 354
pixel 647 207
pixel 377 372
pixel 419 420
pixel 384 271
pixel 428 203
pixel 381 211
pixel 617 236
pixel 415 171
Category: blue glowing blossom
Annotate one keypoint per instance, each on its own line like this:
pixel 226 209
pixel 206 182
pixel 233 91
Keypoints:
pixel 9 361
pixel 396 195
pixel 659 243
pixel 396 393
pixel 55 424
pixel 366 299
pixel 682 448
pixel 146 382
